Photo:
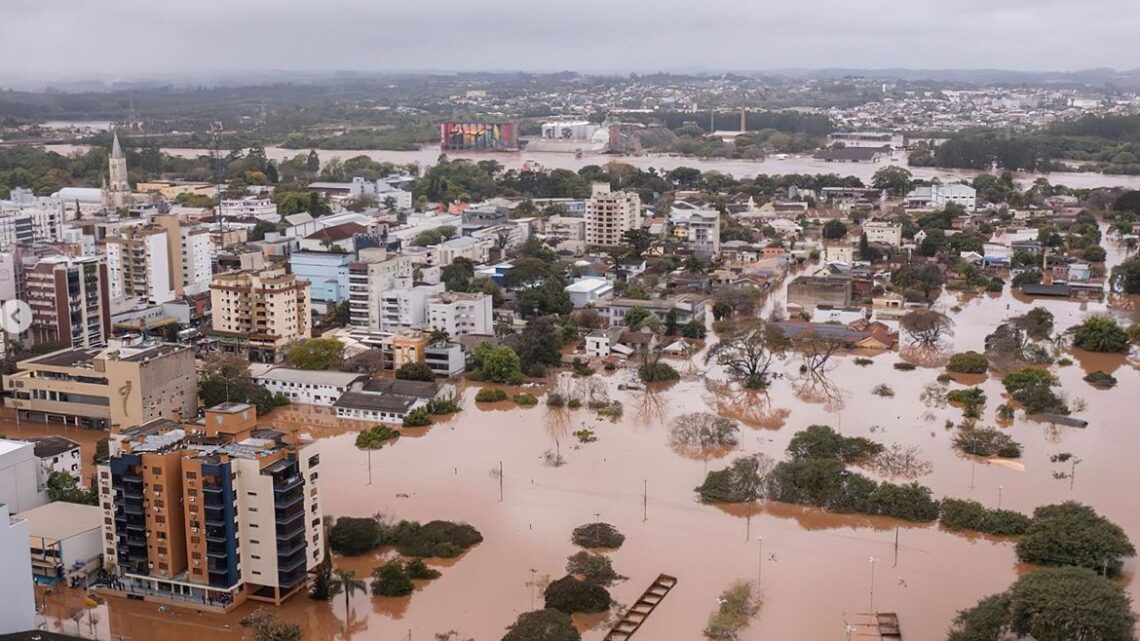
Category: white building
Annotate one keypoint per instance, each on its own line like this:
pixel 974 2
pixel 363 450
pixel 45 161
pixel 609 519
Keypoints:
pixel 58 454
pixel 938 196
pixel 308 387
pixel 17 591
pixel 25 218
pixel 20 487
pixel 139 264
pixel 249 207
pixel 610 214
pixel 476 250
pixel 460 313
pixel 65 540
pixel 698 228
pixel 368 279
pixel 883 233
pixel 405 307
pixel 587 291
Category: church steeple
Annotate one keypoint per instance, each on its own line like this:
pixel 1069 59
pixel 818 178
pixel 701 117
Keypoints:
pixel 116 149
pixel 118 190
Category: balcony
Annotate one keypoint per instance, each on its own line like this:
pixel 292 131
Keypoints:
pixel 289 516
pixel 288 501
pixel 294 545
pixel 290 566
pixel 288 484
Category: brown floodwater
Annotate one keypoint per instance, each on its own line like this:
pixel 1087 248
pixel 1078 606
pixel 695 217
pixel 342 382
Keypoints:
pixel 816 567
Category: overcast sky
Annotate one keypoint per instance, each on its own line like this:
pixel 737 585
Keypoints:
pixel 156 38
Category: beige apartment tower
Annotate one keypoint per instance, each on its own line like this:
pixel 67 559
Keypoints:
pixel 609 214
pixel 258 313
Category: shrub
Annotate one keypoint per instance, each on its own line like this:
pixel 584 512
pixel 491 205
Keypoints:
pixel 391 579
pixel 585 435
pixel 740 482
pixel 570 595
pixel 574 403
pixel 490 395
pixel 910 502
pixel 1004 412
pixel 351 536
pixel 821 442
pixel 972 401
pixel 654 372
pixel 905 367
pixel 419 570
pixel 737 608
pixel 597 535
pixel 554 399
pixel 267 627
pixel 884 390
pixel 442 406
pixel 693 329
pixel 543 625
pixel 1100 334
pixel 986 442
pixel 609 367
pixel 593 568
pixel 411 371
pixel 436 539
pixel 525 399
pixel 968 363
pixel 1101 380
pixel 864 362
pixel 1074 534
pixel 418 417
pixel 1033 389
pixel 959 514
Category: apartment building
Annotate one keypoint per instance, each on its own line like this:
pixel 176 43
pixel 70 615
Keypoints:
pixel 70 301
pixel 21 486
pixel 368 277
pixel 698 229
pixel 476 250
pixel 609 214
pixel 249 207
pixel 211 513
pixel 123 385
pixel 684 308
pixel 327 274
pixel 405 306
pixel 27 218
pixel 17 591
pixel 189 252
pixel 259 312
pixel 460 313
pixel 139 264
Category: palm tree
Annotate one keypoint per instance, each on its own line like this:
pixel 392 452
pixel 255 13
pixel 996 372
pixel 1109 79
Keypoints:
pixel 346 581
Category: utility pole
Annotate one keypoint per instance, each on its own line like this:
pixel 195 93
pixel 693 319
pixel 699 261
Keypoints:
pixel 759 564
pixel 500 481
pixel 645 500
pixel 872 586
pixel 896 547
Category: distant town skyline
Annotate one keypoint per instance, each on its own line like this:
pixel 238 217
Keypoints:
pixel 124 39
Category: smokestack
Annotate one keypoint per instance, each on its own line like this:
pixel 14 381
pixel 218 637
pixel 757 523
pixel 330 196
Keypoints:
pixel 743 120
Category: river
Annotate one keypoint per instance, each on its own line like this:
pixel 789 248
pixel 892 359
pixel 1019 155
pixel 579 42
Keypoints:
pixel 429 155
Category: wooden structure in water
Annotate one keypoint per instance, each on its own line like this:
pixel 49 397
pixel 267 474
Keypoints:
pixel 640 611
pixel 881 626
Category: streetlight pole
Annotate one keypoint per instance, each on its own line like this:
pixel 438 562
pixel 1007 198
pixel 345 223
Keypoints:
pixel 759 564
pixel 872 586
pixel 1000 488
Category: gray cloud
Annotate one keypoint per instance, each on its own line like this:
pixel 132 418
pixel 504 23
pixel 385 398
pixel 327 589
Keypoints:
pixel 125 38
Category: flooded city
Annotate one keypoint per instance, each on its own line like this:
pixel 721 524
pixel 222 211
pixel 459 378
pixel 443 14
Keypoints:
pixel 819 572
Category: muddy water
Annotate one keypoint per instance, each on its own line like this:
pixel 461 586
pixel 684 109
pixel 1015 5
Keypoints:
pixel 428 156
pixel 816 567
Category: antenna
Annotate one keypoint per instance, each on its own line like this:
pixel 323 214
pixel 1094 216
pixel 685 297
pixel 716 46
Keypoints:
pixel 216 156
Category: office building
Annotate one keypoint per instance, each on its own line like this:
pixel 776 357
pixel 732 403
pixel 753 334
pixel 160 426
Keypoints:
pixel 122 385
pixel 212 513
pixel 70 301
pixel 609 214
pixel 259 312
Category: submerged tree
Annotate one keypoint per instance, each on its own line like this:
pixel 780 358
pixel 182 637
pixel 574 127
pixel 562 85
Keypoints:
pixel 927 327
pixel 702 431
pixel 748 353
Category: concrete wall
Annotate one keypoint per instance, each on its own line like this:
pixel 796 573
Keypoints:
pixel 17 595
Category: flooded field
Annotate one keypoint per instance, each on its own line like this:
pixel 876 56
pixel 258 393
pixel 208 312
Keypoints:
pixel 816 567
pixel 428 155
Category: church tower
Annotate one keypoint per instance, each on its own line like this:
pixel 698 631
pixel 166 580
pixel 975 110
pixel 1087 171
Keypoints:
pixel 118 191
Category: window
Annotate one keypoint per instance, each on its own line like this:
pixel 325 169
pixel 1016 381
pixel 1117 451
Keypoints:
pixel 254 542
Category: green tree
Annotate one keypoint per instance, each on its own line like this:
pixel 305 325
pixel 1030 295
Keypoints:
pixel 1100 334
pixel 638 240
pixel 411 371
pixel 352 536
pixel 316 354
pixel 1126 275
pixel 570 595
pixel 267 627
pixel 374 438
pixel 834 229
pixel 635 316
pixel 1033 389
pixel 822 442
pixel 543 625
pixel 923 277
pixel 498 364
pixel 322 586
pixel 896 179
pixel 539 346
pixel 391 579
pixel 1074 534
pixel 61 486
pixel 968 363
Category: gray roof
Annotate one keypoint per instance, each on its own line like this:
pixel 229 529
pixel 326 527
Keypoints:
pixel 394 403
pixel 319 377
pixel 54 446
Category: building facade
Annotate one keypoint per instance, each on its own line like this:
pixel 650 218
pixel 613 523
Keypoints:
pixel 70 301
pixel 883 233
pixel 213 513
pixel 258 313
pixel 459 313
pixel 17 591
pixel 20 485
pixel 610 214
pixel 139 264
